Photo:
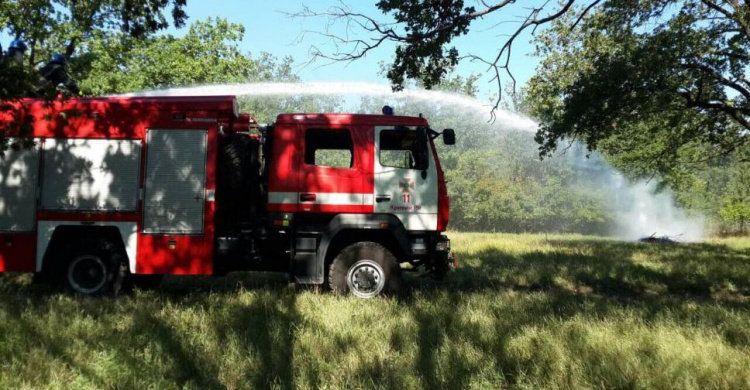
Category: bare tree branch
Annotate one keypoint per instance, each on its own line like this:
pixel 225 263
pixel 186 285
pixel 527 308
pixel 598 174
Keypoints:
pixel 733 16
pixel 583 14
pixel 739 115
pixel 721 79
pixel 531 20
pixel 350 49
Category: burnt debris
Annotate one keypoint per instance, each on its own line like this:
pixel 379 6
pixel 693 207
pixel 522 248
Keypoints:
pixel 654 239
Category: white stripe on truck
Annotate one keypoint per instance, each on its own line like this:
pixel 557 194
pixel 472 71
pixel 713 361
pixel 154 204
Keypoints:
pixel 324 198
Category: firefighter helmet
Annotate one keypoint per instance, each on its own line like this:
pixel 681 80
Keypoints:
pixel 18 44
pixel 58 59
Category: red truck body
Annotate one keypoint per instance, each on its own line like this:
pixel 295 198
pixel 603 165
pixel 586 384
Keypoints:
pixel 180 185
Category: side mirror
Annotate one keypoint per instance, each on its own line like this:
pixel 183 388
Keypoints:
pixel 449 137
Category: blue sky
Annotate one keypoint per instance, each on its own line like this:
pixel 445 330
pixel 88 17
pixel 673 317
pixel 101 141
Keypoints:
pixel 269 29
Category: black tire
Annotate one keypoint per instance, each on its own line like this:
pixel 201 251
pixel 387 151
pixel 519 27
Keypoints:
pixel 233 162
pixel 365 270
pixel 94 268
pixel 235 192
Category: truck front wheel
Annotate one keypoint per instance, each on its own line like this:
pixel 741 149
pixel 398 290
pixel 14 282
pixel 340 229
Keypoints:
pixel 366 270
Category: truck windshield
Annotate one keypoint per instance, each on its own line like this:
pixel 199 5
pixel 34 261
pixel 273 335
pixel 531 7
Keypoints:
pixel 404 148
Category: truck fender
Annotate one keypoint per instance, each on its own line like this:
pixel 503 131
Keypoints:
pixel 47 229
pixel 376 226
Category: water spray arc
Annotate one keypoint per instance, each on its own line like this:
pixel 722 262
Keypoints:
pixel 508 119
pixel 639 211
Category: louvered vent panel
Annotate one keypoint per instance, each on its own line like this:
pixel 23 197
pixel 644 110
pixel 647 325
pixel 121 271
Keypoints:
pixel 175 181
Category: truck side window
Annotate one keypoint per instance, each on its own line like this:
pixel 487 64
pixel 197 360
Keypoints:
pixel 329 148
pixel 400 149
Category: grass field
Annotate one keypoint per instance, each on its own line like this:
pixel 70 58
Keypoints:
pixel 522 311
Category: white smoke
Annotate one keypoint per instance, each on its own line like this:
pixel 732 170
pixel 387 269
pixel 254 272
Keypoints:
pixel 650 213
pixel 640 211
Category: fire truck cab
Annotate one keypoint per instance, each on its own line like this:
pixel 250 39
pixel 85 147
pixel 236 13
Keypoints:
pixel 99 193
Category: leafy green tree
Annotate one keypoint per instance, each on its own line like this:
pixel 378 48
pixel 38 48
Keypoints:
pixel 735 202
pixel 655 83
pixel 63 25
pixel 207 53
pixel 641 78
pixel 658 86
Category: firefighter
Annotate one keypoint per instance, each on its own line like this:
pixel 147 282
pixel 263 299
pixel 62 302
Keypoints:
pixel 12 77
pixel 15 52
pixel 54 74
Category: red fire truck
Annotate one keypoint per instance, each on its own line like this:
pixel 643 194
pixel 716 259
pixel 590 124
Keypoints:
pixel 97 193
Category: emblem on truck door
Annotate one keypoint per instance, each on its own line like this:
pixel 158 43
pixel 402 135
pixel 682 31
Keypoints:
pixel 406 186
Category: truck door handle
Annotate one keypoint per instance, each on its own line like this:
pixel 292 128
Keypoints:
pixel 383 198
pixel 307 197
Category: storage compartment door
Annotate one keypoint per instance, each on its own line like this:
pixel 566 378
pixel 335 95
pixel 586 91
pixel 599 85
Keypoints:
pixel 19 173
pixel 175 181
pixel 91 174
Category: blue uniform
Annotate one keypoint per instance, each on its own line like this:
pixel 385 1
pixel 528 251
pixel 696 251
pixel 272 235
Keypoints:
pixel 54 74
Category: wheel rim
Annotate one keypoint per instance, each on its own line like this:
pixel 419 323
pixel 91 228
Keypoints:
pixel 365 279
pixel 87 274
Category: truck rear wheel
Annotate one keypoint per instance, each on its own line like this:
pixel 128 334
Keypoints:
pixel 95 268
pixel 366 270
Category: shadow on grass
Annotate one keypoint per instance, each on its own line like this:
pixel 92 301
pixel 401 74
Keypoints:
pixel 149 342
pixel 147 335
pixel 614 269
pixel 267 328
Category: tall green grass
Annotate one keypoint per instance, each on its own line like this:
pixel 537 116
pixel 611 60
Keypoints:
pixel 522 311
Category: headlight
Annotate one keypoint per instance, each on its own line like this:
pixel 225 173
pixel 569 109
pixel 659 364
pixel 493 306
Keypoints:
pixel 443 246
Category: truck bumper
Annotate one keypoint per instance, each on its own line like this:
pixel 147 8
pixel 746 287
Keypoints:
pixel 443 258
pixel 433 251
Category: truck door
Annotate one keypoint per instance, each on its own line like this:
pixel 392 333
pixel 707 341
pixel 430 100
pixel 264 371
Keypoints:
pixel 405 176
pixel 331 176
